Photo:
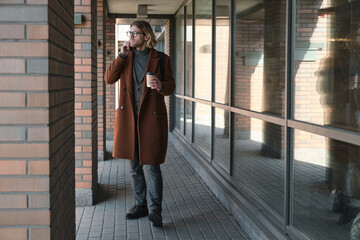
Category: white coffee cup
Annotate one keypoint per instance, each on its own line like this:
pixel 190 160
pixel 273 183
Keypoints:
pixel 149 76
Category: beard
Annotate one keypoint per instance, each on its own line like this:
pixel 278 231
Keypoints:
pixel 134 44
pixel 137 44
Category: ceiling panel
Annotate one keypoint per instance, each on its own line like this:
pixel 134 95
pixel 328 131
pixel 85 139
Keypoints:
pixel 128 21
pixel 154 7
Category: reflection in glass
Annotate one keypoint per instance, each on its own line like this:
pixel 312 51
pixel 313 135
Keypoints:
pixel 189 50
pixel 327 64
pixel 222 56
pixel 255 164
pixel 179 43
pixel 222 139
pixel 188 119
pixel 327 186
pixel 179 115
pixel 203 127
pixel 203 36
pixel 260 56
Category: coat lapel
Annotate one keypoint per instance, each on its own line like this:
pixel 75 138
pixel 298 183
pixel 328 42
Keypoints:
pixel 151 67
pixel 129 76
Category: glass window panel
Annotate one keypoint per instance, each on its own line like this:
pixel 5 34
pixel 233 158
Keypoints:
pixel 179 119
pixel 203 48
pixel 222 56
pixel 188 119
pixel 327 63
pixel 179 43
pixel 259 81
pixel 326 186
pixel 222 139
pixel 189 50
pixel 259 161
pixel 203 127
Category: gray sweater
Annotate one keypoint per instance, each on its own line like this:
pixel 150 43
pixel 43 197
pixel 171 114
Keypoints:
pixel 140 62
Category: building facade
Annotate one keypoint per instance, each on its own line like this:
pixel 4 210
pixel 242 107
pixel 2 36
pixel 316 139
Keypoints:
pixel 267 111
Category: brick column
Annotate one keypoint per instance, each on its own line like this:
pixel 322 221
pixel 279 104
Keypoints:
pixel 274 77
pixel 248 76
pixel 86 103
pixel 36 120
pixel 110 89
pixel 100 78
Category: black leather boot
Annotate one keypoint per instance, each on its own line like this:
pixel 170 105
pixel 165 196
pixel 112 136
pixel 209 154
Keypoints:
pixel 137 212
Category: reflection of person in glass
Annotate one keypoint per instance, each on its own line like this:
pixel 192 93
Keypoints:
pixel 351 184
pixel 341 88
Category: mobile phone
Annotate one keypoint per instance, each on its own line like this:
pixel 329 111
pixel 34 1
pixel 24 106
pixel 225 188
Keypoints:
pixel 129 47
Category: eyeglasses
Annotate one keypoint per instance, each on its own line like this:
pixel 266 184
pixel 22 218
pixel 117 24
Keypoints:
pixel 133 33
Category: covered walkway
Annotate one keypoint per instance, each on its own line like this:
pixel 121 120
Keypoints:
pixel 190 210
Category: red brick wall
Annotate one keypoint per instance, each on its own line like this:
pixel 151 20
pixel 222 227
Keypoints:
pixel 274 58
pixel 86 103
pixel 110 89
pixel 61 87
pixel 36 120
pixel 248 79
pixel 100 77
pixel 311 28
pixel 308 95
pixel 94 124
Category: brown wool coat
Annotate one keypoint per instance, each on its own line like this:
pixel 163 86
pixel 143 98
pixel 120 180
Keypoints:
pixel 152 119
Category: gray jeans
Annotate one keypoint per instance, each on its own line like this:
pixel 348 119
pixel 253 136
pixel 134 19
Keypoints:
pixel 155 182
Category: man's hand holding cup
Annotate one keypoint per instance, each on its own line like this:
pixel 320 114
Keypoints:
pixel 153 82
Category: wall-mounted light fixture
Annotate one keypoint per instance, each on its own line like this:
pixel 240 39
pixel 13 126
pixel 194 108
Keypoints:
pixel 142 11
pixel 77 18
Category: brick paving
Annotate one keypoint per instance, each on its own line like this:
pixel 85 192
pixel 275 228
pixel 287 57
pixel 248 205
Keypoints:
pixel 190 209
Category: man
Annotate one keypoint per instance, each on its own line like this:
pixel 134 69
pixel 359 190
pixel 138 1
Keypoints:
pixel 141 128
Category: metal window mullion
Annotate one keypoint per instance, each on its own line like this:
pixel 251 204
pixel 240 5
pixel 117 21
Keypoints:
pixel 172 53
pixel 193 73
pixel 326 131
pixel 220 105
pixel 261 116
pixel 193 122
pixel 184 67
pixel 231 83
pixel 245 112
pixel 232 77
pixel 213 72
pixel 212 133
pixel 194 46
pixel 213 51
pixel 289 137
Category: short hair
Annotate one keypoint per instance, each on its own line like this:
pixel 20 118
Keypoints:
pixel 145 27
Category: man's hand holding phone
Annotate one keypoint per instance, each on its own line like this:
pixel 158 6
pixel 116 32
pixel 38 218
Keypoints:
pixel 126 48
